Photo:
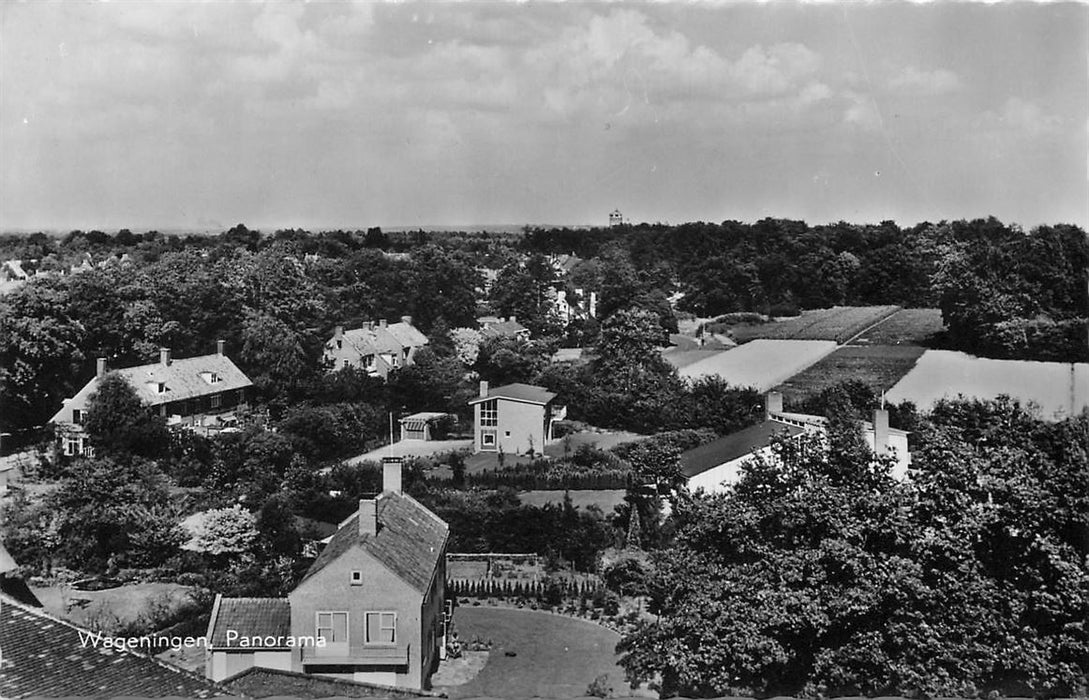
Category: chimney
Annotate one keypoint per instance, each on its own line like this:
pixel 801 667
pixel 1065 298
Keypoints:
pixel 773 403
pixel 381 323
pixel 407 320
pixel 221 346
pixel 881 432
pixel 368 516
pixel 483 389
pixel 391 475
pixel 164 357
pixel 513 319
pixel 100 367
pixel 338 331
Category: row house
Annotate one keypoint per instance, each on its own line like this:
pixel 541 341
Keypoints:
pixel 199 393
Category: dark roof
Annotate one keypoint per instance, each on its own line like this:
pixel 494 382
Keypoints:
pixel 257 682
pixel 504 328
pixel 725 449
pixel 15 587
pixel 45 656
pixel 410 540
pixel 519 392
pixel 265 617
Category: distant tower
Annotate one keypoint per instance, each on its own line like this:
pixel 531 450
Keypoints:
pixel 616 218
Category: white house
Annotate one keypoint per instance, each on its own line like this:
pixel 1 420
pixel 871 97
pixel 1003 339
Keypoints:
pixel 715 466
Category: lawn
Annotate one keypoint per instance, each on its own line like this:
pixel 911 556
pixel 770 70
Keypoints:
pixel 1058 388
pixel 879 367
pixel 840 323
pixel 905 327
pixel 605 499
pixel 554 656
pixel 761 364
pixel 125 603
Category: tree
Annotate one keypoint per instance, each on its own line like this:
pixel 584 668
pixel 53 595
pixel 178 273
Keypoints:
pixel 226 531
pixel 112 513
pixel 120 425
pixel 819 575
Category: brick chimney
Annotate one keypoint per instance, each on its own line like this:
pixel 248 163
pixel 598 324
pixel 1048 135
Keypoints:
pixel 338 331
pixel 773 403
pixel 483 389
pixel 513 318
pixel 100 367
pixel 368 516
pixel 381 323
pixel 164 357
pixel 407 320
pixel 391 475
pixel 881 432
pixel 221 347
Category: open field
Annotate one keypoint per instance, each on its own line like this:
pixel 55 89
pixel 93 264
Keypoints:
pixel 1058 388
pixel 761 364
pixel 878 366
pixel 905 327
pixel 550 656
pixel 682 358
pixel 605 499
pixel 840 323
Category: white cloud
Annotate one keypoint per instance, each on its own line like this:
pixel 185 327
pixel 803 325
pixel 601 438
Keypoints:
pixel 915 81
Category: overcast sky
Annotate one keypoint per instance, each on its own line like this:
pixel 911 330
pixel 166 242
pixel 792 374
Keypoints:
pixel 141 114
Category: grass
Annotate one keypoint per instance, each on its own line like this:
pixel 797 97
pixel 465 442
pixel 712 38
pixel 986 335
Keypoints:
pixel 125 602
pixel 840 323
pixel 605 499
pixel 879 367
pixel 1056 387
pixel 761 364
pixel 905 327
pixel 554 656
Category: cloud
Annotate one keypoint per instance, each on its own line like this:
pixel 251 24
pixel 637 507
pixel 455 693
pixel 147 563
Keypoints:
pixel 914 81
pixel 1018 116
pixel 862 112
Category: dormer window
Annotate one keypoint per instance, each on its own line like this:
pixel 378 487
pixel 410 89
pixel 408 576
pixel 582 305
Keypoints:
pixel 77 416
pixel 160 387
pixel 357 578
pixel 211 377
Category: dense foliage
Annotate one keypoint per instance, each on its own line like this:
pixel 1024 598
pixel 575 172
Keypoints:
pixel 818 574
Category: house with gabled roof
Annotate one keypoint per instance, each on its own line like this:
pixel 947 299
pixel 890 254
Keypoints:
pixel 376 348
pixel 45 656
pixel 199 393
pixel 515 418
pixel 370 609
pixel 497 327
pixel 715 466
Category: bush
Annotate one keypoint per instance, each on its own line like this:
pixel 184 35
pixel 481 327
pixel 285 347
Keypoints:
pixel 600 687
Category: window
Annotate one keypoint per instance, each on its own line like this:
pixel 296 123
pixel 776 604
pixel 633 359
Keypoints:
pixel 489 413
pixel 487 439
pixel 357 578
pixel 214 379
pixel 217 400
pixel 381 628
pixel 506 434
pixel 340 345
pixel 161 388
pixel 71 446
pixel 333 627
pixel 77 416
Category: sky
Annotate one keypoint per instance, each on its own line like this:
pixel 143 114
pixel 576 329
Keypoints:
pixel 325 115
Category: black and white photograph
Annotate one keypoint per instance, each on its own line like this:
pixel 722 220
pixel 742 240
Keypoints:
pixel 542 350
